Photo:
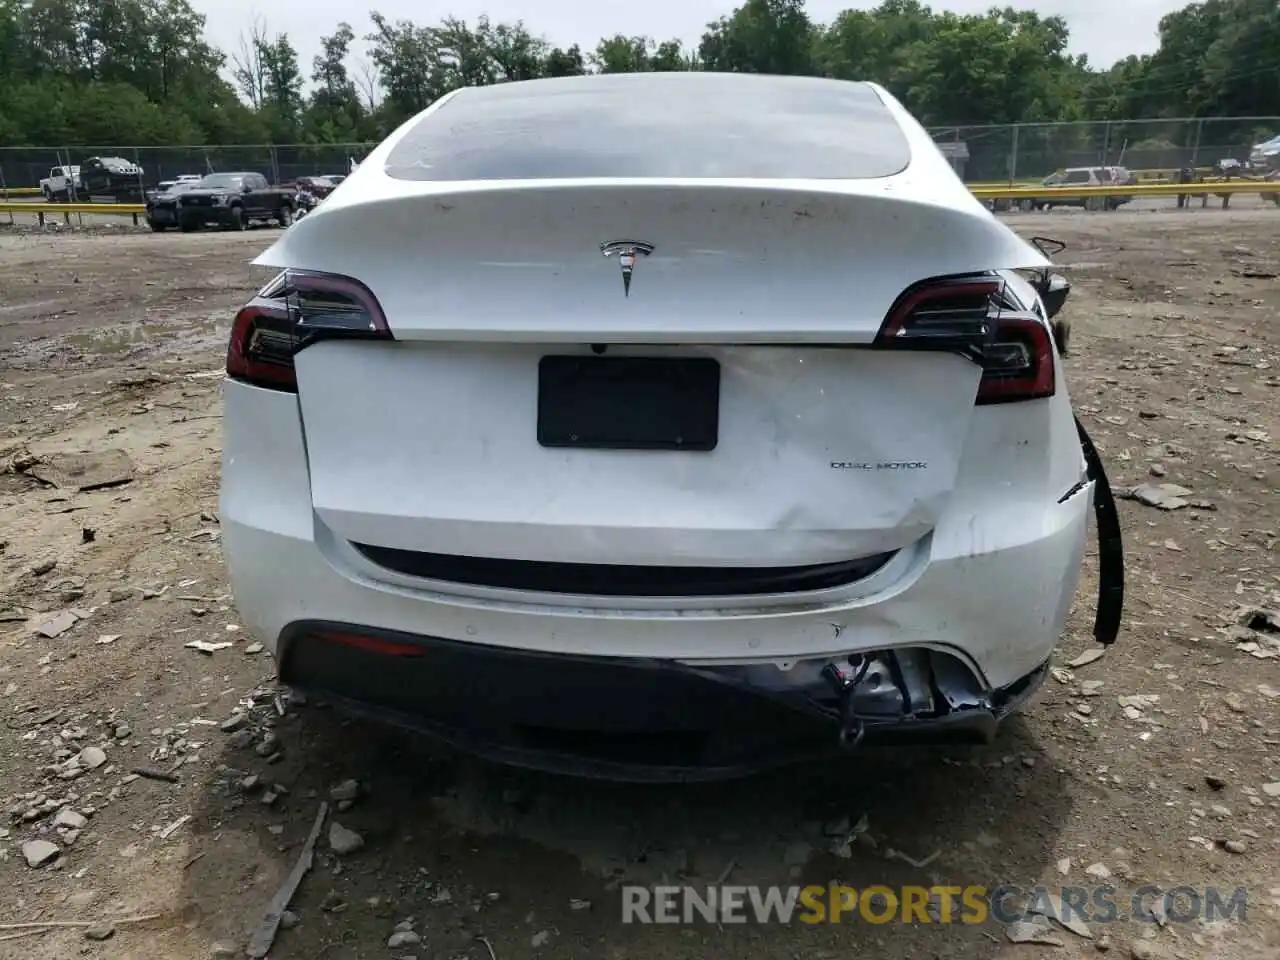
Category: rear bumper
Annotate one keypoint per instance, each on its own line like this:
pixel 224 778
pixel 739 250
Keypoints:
pixel 624 719
pixel 991 587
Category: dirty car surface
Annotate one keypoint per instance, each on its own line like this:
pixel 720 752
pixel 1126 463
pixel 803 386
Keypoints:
pixel 637 456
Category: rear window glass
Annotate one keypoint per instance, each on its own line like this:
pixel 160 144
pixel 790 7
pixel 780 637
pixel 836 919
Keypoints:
pixel 684 125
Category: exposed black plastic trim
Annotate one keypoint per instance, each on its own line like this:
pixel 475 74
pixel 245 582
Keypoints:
pixel 1106 624
pixel 618 580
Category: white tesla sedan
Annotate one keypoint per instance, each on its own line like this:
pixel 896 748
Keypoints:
pixel 660 426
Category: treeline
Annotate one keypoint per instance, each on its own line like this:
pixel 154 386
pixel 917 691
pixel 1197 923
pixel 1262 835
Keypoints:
pixel 106 72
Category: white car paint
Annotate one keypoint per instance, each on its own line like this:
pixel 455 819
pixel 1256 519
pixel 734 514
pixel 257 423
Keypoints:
pixel 61 180
pixel 427 442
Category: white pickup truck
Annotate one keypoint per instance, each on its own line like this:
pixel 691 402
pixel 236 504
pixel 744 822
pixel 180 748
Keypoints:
pixel 60 183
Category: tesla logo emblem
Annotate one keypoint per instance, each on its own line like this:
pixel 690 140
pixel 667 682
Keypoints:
pixel 626 251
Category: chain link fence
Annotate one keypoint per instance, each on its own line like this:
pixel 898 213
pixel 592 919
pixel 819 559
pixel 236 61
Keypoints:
pixel 25 167
pixel 1024 152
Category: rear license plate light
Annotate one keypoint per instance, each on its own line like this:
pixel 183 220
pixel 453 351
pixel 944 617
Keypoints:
pixel 629 403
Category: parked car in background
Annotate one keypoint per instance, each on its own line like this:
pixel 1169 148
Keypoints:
pixel 112 180
pixel 1265 154
pixel 162 203
pixel 230 200
pixel 318 187
pixel 1083 177
pixel 61 183
pixel 160 189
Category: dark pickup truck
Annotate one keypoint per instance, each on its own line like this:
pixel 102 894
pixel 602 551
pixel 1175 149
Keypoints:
pixel 228 200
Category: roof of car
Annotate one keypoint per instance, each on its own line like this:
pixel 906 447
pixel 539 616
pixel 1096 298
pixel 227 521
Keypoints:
pixel 685 124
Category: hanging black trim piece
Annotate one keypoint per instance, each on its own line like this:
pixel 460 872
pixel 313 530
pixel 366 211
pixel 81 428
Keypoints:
pixel 1106 624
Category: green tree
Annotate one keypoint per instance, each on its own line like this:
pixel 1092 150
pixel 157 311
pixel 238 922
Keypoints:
pixel 142 71
pixel 761 36
pixel 564 63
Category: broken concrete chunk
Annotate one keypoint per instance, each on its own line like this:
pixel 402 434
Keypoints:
pixel 69 819
pixel 347 790
pixel 1088 657
pixel 1035 930
pixel 100 931
pixel 84 471
pixel 55 625
pixel 343 841
pixel 1054 909
pixel 92 757
pixel 207 648
pixel 40 852
pixel 1162 496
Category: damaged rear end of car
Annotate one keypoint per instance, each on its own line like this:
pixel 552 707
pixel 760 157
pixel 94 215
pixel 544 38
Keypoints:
pixel 649 457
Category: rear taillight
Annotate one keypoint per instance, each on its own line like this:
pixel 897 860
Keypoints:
pixel 296 309
pixel 977 317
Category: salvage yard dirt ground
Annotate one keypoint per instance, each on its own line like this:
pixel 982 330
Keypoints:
pixel 1157 764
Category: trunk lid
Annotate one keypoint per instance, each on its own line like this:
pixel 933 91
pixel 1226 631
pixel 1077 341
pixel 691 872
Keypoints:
pixel 822 456
pixel 824 453
pixel 729 263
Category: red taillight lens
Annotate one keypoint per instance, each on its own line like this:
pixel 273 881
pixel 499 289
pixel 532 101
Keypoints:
pixel 1018 364
pixel 977 317
pixel 957 310
pixel 296 309
pixel 261 347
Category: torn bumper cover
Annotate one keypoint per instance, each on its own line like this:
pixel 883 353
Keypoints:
pixel 644 719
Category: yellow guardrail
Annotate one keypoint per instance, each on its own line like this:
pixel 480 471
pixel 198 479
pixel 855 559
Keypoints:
pixel 19 192
pixel 1139 190
pixel 43 210
pixel 115 208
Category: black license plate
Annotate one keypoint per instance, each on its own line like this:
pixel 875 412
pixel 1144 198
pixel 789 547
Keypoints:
pixel 629 403
pixel 161 214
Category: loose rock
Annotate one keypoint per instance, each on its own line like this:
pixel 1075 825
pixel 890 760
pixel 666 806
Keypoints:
pixel 346 790
pixel 1234 846
pixel 92 757
pixel 40 852
pixel 56 625
pixel 1162 496
pixel 100 931
pixel 70 819
pixel 403 938
pixel 343 841
pixel 1036 930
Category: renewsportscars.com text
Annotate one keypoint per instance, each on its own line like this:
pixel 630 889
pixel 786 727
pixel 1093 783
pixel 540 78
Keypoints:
pixel 938 904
